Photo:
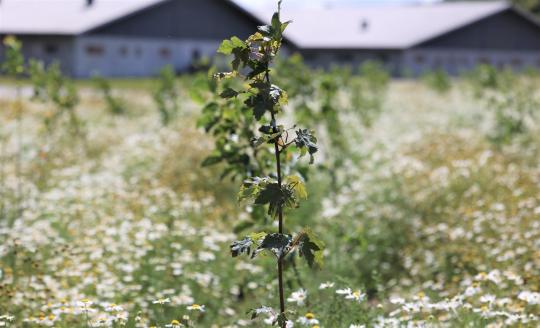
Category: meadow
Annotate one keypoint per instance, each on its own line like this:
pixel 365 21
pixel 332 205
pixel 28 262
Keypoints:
pixel 115 210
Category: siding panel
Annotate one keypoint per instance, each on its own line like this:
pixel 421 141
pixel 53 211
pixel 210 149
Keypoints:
pixel 192 19
pixel 503 31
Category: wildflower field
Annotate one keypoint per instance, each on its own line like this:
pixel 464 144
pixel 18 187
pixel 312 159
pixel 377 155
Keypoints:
pixel 425 194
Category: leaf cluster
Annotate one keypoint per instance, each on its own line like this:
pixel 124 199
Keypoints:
pixel 14 60
pixel 166 95
pixel 308 245
pixel 115 105
pixel 267 191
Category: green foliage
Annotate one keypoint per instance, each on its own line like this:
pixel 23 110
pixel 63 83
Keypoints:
pixel 50 85
pixel 311 248
pixel 510 97
pixel 307 143
pixel 114 105
pixel 243 106
pixel 267 191
pixel 438 80
pixel 14 61
pixel 166 95
pixel 39 79
pixel 368 92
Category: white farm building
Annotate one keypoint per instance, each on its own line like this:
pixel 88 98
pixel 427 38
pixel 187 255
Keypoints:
pixel 122 37
pixel 138 37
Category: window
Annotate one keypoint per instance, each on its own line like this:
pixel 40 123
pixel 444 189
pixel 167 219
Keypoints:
pixel 484 60
pixel 517 62
pixel 438 63
pixel 94 50
pixel 165 53
pixel 195 55
pixel 419 59
pixel 51 49
pixel 382 57
pixel 344 57
pixel 310 56
pixel 123 51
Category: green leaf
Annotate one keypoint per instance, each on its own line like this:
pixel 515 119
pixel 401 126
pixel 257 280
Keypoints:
pixel 262 310
pixel 241 246
pixel 257 69
pixel 227 46
pixel 256 142
pixel 269 194
pixel 259 104
pixel 209 116
pixel 266 191
pixel 276 243
pixel 252 187
pixel 311 248
pixel 307 143
pixel 281 320
pixel 278 27
pixel 297 184
pixel 212 160
pixel 14 59
pixel 244 246
pixel 229 93
pixel 225 75
pixel 266 129
pixel 265 29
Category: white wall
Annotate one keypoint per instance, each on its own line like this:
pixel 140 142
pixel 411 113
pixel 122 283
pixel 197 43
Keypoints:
pixel 135 57
pixel 455 61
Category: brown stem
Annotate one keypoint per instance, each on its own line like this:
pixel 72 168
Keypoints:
pixel 280 210
pixel 18 160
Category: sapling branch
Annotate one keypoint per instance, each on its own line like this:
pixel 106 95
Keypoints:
pixel 277 153
pixel 265 101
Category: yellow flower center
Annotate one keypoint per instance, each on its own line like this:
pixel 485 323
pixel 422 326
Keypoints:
pixel 309 315
pixel 175 322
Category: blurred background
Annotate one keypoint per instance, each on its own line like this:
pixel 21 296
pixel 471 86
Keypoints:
pixel 117 38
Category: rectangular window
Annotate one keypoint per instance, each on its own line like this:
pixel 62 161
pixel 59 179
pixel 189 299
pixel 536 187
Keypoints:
pixel 165 53
pixel 51 49
pixel 484 60
pixel 123 51
pixel 94 50
pixel 345 57
pixel 516 62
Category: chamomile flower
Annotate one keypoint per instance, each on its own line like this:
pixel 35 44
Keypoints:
pixel 298 297
pixel 174 324
pixel 357 295
pixel 308 319
pixel 196 307
pixel 345 291
pixel 326 285
pixel 162 301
